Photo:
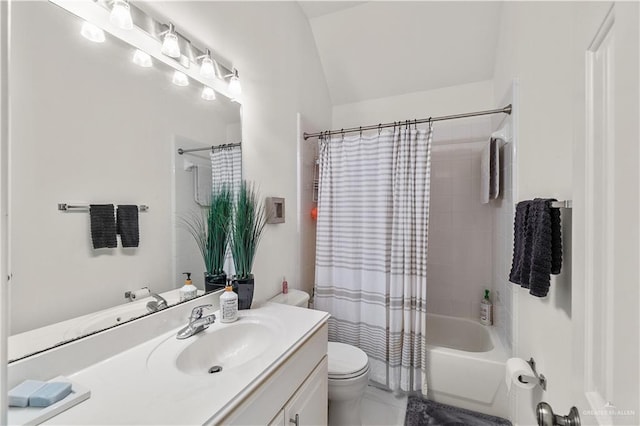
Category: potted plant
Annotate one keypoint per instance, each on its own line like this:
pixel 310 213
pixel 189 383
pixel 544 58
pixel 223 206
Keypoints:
pixel 249 220
pixel 211 230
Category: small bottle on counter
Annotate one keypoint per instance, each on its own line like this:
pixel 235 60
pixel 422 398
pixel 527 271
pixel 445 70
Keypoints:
pixel 285 285
pixel 228 305
pixel 188 290
pixel 486 309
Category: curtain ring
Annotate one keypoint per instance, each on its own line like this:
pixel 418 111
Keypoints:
pixel 415 124
pixel 379 128
pixel 360 131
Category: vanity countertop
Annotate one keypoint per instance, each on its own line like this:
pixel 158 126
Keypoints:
pixel 125 389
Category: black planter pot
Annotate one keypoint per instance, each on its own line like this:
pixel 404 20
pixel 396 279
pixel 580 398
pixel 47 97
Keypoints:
pixel 214 282
pixel 244 289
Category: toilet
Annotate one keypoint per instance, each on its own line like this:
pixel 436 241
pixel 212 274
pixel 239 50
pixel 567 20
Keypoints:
pixel 348 371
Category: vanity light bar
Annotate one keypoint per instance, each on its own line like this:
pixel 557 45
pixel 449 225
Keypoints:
pixel 148 37
pixel 64 207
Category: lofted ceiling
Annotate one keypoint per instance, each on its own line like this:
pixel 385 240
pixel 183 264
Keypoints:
pixel 377 49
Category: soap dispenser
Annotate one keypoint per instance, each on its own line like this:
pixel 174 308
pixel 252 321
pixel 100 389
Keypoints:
pixel 188 290
pixel 486 309
pixel 228 304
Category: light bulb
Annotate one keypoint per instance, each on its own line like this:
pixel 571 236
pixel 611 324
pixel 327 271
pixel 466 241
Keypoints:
pixel 91 32
pixel 208 94
pixel 180 79
pixel 142 59
pixel 234 85
pixel 121 15
pixel 206 67
pixel 170 45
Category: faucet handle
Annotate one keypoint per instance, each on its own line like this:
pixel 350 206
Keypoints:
pixel 196 313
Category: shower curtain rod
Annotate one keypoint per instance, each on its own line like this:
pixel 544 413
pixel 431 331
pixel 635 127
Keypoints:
pixel 210 148
pixel 505 110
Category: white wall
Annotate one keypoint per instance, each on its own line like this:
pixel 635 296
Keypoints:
pixel 272 46
pixel 542 58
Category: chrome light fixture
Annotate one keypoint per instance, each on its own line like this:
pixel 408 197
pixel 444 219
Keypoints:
pixel 234 84
pixel 91 32
pixel 207 69
pixel 180 79
pixel 208 94
pixel 142 59
pixel 170 45
pixel 121 15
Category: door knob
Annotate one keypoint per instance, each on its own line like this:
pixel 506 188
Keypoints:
pixel 545 416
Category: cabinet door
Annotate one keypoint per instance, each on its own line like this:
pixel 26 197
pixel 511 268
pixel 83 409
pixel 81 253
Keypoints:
pixel 278 420
pixel 309 405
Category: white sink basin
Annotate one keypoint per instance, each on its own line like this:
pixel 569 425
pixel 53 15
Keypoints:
pixel 218 349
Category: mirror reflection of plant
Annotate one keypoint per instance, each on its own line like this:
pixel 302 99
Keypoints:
pixel 249 220
pixel 212 229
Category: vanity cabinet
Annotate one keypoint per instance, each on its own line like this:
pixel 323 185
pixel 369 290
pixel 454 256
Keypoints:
pixel 299 386
pixel 309 405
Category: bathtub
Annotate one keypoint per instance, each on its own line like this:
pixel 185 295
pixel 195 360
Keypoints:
pixel 466 365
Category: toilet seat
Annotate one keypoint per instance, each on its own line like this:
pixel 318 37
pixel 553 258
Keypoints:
pixel 346 361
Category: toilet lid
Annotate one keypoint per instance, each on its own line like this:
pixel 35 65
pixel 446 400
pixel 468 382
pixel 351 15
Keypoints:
pixel 346 361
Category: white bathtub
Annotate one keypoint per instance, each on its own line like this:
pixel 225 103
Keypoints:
pixel 466 365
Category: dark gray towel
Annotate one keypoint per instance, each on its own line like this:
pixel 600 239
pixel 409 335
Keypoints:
pixel 103 226
pixel 522 242
pixel 128 225
pixel 537 248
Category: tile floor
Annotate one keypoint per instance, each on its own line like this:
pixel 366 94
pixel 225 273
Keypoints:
pixel 380 407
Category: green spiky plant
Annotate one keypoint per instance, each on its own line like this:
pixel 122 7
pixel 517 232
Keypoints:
pixel 212 229
pixel 249 220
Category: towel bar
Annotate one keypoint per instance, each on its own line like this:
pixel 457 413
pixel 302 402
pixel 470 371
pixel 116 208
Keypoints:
pixel 564 204
pixel 64 207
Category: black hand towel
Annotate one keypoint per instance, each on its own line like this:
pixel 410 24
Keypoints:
pixel 556 242
pixel 128 225
pixel 103 226
pixel 522 241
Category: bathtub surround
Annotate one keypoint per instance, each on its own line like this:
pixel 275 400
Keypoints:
pixel 373 211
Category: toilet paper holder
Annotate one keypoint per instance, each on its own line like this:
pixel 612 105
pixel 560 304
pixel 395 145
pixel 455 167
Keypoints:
pixel 539 378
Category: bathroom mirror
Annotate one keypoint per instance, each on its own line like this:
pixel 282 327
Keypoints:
pixel 88 126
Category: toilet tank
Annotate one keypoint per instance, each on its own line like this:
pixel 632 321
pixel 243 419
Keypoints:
pixel 293 297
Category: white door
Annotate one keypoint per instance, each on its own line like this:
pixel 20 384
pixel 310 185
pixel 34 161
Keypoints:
pixel 605 215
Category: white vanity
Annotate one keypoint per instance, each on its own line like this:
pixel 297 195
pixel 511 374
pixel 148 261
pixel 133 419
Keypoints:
pixel 273 359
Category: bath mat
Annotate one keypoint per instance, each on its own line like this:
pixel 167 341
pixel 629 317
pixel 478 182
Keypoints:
pixel 422 412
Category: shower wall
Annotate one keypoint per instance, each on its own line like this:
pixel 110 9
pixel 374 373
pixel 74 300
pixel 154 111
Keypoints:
pixel 460 258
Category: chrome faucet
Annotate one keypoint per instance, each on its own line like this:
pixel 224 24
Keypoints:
pixel 156 305
pixel 197 322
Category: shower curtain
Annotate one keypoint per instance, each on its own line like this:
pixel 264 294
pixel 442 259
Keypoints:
pixel 371 249
pixel 226 168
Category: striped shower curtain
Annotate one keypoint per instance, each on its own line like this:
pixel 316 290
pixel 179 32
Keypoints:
pixel 226 169
pixel 371 249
